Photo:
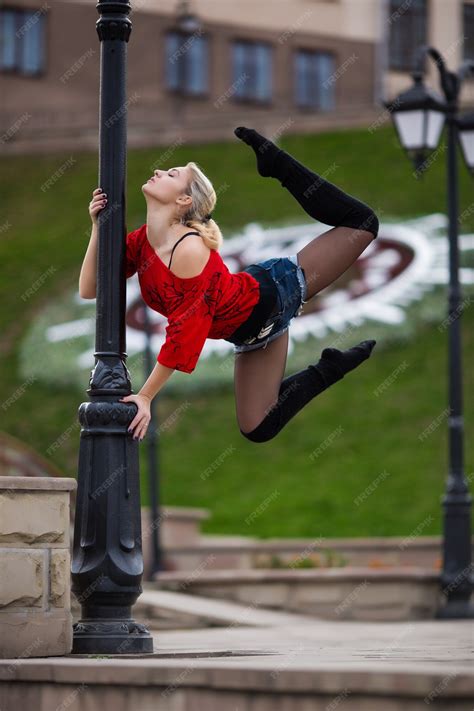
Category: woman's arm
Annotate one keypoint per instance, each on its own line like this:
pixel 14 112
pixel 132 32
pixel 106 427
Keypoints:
pixel 88 275
pixel 157 378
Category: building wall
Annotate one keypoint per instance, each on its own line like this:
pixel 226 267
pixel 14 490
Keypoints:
pixel 62 110
pixel 347 19
pixel 445 33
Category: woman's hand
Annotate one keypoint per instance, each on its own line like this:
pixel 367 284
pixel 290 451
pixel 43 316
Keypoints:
pixel 98 202
pixel 142 418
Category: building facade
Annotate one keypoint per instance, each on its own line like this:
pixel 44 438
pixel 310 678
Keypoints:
pixel 281 65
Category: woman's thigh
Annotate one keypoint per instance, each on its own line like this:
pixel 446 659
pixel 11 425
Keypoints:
pixel 326 257
pixel 260 364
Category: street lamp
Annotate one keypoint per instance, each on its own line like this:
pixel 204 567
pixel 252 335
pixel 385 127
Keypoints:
pixel 186 20
pixel 107 560
pixel 419 116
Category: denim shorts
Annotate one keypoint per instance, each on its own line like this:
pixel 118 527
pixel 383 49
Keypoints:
pixel 289 278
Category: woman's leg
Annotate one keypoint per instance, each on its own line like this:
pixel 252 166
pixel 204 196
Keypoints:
pixel 329 255
pixel 355 224
pixel 264 402
pixel 257 380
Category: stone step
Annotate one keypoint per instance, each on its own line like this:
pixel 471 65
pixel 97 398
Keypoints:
pixel 351 593
pixel 171 610
pixel 355 666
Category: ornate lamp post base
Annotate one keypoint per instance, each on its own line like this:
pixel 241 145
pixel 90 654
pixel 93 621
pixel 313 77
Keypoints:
pixel 107 562
pixel 119 636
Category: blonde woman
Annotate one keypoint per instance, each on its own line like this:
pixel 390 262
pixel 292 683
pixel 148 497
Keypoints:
pixel 182 276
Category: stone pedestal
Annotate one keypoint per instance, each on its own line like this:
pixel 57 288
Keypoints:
pixel 35 580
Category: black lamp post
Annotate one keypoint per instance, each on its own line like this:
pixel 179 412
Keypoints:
pixel 107 561
pixel 419 116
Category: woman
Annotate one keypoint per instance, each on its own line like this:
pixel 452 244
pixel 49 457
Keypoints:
pixel 252 308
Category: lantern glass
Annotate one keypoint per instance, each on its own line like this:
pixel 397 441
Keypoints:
pixel 419 130
pixel 188 23
pixel 466 139
pixel 435 121
pixel 409 125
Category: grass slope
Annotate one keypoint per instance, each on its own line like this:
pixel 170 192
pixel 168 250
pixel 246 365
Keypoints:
pixel 273 489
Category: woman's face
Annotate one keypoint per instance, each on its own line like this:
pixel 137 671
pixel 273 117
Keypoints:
pixel 166 186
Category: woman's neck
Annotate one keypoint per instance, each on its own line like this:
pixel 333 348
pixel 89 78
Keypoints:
pixel 162 229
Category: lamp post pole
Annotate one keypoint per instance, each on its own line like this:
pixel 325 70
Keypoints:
pixel 418 115
pixel 456 576
pixel 107 561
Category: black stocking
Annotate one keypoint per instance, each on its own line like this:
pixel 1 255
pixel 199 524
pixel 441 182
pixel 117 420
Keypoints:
pixel 298 389
pixel 320 198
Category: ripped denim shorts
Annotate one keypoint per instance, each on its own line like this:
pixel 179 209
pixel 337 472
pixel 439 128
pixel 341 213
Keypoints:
pixel 290 281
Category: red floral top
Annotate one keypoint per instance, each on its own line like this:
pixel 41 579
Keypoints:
pixel 211 304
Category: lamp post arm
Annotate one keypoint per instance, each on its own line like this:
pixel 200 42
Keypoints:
pixel 450 81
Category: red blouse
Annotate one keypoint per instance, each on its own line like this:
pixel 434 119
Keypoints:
pixel 211 304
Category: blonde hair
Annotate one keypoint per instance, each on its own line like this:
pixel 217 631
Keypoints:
pixel 204 198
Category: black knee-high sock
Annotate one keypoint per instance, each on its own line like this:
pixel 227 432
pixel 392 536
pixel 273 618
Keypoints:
pixel 320 198
pixel 298 389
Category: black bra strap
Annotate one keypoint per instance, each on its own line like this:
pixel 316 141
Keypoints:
pixel 187 233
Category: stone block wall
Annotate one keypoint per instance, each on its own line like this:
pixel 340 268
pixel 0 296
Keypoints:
pixel 35 587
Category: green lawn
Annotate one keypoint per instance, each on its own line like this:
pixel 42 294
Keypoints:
pixel 276 488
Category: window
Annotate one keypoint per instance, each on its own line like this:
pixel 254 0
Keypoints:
pixel 187 63
pixel 407 23
pixel 21 41
pixel 252 70
pixel 313 83
pixel 468 31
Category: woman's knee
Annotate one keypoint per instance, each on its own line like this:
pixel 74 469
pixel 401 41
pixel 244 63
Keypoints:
pixel 258 434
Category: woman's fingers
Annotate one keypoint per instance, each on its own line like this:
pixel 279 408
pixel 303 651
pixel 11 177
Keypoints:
pixel 139 419
pixel 98 202
pixel 141 428
pixel 139 424
pixel 141 432
pixel 98 199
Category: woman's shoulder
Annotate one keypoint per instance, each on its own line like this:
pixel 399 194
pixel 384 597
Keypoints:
pixel 190 256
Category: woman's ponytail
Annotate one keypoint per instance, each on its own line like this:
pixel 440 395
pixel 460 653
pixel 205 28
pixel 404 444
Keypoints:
pixel 203 203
